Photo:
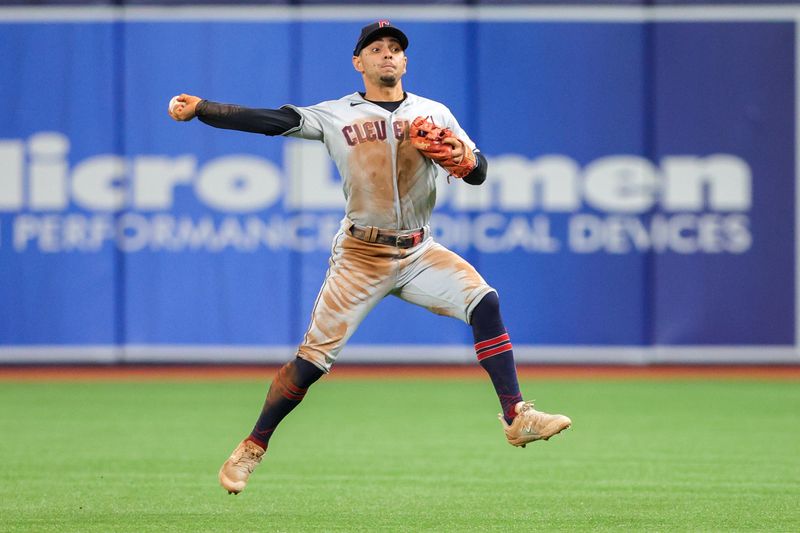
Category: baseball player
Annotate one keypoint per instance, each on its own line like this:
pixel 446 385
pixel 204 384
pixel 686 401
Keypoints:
pixel 387 145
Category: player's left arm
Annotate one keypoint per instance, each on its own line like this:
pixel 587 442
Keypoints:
pixel 478 174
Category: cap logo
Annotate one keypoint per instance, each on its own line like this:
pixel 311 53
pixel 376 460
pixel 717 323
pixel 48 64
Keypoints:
pixel 383 23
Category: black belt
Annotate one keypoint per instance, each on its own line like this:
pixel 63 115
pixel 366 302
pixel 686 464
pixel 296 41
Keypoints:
pixel 399 239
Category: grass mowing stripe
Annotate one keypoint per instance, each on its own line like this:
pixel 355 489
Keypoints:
pixel 401 456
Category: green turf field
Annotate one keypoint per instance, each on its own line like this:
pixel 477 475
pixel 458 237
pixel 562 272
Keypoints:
pixel 402 456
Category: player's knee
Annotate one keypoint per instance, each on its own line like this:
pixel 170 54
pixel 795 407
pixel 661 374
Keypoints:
pixel 487 323
pixel 305 372
pixel 312 357
pixel 487 310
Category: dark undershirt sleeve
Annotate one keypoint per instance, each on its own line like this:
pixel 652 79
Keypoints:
pixel 478 174
pixel 234 117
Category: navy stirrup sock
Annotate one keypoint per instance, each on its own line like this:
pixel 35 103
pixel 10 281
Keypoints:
pixel 286 391
pixel 494 351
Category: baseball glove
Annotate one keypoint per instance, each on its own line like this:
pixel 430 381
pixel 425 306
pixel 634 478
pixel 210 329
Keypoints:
pixel 437 143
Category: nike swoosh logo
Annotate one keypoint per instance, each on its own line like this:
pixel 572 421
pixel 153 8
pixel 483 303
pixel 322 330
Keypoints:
pixel 353 104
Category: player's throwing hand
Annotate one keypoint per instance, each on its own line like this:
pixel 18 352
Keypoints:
pixel 182 107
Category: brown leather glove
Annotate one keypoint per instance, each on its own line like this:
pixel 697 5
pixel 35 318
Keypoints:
pixel 439 144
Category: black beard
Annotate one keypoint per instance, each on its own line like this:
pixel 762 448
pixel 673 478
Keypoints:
pixel 389 80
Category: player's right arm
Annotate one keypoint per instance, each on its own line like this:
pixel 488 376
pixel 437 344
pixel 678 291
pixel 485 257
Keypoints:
pixel 235 117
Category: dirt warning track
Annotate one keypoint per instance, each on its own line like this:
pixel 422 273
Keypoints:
pixel 345 371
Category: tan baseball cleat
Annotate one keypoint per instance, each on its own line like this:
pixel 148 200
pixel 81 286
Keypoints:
pixel 530 425
pixel 237 469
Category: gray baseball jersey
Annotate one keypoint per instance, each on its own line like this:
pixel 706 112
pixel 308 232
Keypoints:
pixel 389 185
pixel 387 182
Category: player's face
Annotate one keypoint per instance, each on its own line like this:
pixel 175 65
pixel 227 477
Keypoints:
pixel 382 62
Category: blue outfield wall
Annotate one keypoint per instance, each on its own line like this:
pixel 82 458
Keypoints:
pixel 640 204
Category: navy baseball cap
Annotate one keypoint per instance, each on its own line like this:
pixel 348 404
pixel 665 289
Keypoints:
pixel 376 30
